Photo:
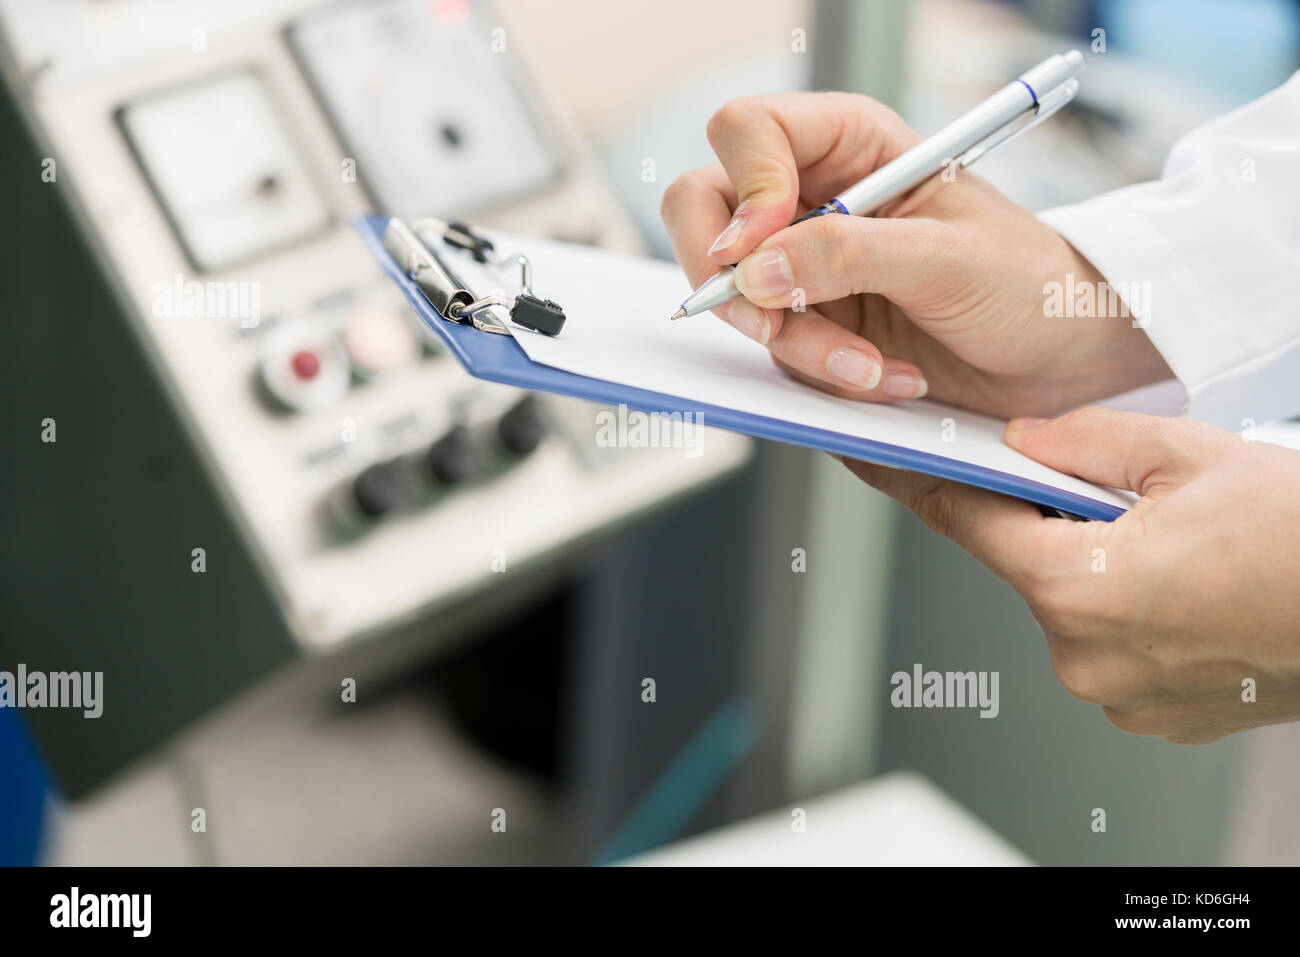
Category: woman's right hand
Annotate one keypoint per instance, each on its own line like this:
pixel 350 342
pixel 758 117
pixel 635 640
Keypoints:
pixel 941 292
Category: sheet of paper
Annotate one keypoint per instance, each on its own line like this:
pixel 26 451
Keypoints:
pixel 618 330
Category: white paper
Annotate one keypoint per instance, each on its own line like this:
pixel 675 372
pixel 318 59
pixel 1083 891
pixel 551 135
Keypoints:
pixel 618 330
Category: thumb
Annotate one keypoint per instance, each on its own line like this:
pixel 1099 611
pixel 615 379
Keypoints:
pixel 1141 453
pixel 824 259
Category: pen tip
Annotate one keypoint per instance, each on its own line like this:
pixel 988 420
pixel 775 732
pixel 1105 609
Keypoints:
pixel 679 314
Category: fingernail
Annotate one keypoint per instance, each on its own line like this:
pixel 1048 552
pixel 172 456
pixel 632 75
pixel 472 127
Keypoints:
pixel 856 368
pixel 729 235
pixel 765 274
pixel 751 320
pixel 1020 425
pixel 905 385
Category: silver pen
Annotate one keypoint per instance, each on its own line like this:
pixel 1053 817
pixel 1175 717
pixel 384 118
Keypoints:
pixel 1019 106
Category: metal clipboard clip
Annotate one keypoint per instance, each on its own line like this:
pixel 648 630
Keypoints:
pixel 416 249
pixel 1047 105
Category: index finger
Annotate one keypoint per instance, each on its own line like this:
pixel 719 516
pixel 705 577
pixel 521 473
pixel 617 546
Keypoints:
pixel 696 206
pixel 776 148
pixel 1008 535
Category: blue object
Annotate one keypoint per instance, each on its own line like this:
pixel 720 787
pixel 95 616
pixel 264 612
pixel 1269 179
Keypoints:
pixel 683 787
pixel 22 793
pixel 499 358
pixel 1243 48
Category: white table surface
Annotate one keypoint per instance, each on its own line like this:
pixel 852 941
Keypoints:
pixel 898 819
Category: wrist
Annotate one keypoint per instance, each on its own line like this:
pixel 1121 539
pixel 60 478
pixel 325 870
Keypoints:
pixel 1110 351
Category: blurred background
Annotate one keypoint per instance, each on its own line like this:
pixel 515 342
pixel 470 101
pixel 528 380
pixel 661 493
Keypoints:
pixel 569 654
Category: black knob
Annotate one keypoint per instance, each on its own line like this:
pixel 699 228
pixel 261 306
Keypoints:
pixel 381 488
pixel 522 427
pixel 453 458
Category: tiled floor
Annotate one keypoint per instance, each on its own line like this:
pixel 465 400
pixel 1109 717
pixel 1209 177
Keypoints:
pixel 283 781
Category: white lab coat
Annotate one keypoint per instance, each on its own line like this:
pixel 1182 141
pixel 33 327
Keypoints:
pixel 1217 239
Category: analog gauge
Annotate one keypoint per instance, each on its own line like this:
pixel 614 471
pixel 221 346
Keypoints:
pixel 229 179
pixel 433 118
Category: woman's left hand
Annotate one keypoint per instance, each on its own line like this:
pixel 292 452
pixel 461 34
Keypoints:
pixel 1182 617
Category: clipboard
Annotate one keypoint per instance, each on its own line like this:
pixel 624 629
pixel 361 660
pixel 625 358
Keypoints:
pixel 487 351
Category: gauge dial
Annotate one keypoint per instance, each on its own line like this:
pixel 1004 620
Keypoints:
pixel 437 122
pixel 231 182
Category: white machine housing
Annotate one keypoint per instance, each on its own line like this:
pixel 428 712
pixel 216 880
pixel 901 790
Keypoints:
pixel 217 151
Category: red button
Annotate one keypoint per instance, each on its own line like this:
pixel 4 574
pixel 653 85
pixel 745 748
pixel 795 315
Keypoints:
pixel 305 364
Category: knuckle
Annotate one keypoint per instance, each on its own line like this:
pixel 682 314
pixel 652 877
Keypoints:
pixel 1060 602
pixel 1084 419
pixel 868 107
pixel 868 104
pixel 797 341
pixel 837 230
pixel 1081 678
pixel 842 249
pixel 671 200
pixel 772 182
pixel 784 338
pixel 1164 434
pixel 866 120
pixel 934 506
pixel 732 115
pixel 776 325
pixel 679 192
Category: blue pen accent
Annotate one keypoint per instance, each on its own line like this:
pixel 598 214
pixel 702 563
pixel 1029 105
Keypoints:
pixel 825 209
pixel 1022 82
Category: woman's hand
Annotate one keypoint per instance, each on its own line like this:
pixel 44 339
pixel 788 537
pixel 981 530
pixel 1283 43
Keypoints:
pixel 1182 617
pixel 942 291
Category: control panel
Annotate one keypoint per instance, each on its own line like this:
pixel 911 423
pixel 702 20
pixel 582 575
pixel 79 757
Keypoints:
pixel 216 152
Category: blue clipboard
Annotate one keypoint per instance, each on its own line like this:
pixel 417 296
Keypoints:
pixel 498 358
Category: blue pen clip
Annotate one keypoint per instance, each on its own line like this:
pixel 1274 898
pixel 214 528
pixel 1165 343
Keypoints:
pixel 1047 105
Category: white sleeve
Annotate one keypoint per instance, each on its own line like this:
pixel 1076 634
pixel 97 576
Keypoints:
pixel 1215 246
